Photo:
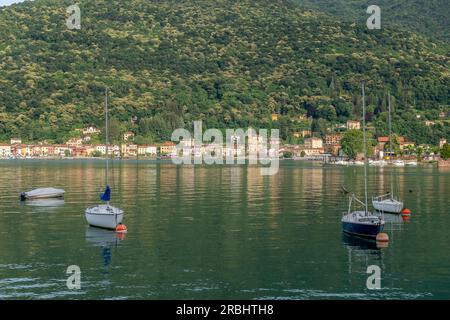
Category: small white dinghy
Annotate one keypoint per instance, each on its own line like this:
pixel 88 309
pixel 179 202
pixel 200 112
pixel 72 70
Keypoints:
pixel 42 193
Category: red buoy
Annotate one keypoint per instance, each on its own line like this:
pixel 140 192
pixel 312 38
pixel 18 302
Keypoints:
pixel 406 218
pixel 406 212
pixel 121 228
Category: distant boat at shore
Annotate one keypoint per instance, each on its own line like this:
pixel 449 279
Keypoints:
pixel 399 163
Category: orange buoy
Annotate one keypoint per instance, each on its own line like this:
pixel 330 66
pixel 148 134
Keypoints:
pixel 382 237
pixel 121 228
pixel 406 218
pixel 406 212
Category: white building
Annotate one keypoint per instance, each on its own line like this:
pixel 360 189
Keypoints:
pixel 127 136
pixel 313 143
pixel 90 130
pixel 101 148
pixel 147 150
pixel 5 150
pixel 16 141
pixel 75 142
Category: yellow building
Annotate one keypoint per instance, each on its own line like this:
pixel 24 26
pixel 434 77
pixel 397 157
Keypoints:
pixel 167 147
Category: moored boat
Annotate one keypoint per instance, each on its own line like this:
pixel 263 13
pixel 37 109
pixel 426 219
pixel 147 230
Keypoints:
pixel 104 215
pixel 362 223
pixel 387 203
pixel 42 193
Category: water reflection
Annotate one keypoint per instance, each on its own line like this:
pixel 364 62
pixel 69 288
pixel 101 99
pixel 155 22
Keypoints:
pixel 43 205
pixel 221 227
pixel 354 243
pixel 105 239
pixel 362 253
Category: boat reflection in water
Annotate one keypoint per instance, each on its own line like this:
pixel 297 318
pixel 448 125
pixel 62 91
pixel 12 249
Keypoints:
pixel 366 245
pixel 43 205
pixel 362 253
pixel 395 219
pixel 106 240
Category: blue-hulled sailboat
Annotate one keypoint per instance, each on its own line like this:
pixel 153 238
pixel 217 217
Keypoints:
pixel 362 223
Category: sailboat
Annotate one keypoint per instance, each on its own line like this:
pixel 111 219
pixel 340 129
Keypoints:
pixel 104 215
pixel 362 223
pixel 388 202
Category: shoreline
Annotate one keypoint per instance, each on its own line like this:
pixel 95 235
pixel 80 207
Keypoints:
pixel 168 159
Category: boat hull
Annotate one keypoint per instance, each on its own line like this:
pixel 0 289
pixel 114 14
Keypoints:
pixel 388 206
pixel 104 216
pixel 358 224
pixel 43 193
pixel 366 231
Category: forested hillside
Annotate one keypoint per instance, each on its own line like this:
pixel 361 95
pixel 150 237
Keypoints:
pixel 429 17
pixel 229 63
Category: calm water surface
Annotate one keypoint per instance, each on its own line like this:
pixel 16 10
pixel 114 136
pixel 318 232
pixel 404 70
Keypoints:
pixel 219 232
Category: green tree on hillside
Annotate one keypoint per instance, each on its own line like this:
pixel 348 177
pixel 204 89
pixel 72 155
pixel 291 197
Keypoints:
pixel 445 151
pixel 352 143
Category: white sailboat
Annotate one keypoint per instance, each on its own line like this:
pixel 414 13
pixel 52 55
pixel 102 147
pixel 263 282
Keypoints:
pixel 388 202
pixel 362 222
pixel 104 215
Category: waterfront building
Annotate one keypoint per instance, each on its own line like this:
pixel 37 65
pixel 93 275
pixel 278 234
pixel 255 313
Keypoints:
pixel 168 148
pixel 313 143
pixel 147 150
pixel 129 150
pixel 5 150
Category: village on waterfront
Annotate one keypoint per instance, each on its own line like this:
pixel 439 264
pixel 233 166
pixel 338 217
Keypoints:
pixel 310 147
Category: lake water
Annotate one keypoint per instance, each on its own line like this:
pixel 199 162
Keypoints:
pixel 219 232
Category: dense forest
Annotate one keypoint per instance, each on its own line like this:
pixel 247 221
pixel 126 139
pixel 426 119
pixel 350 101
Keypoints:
pixel 428 17
pixel 230 63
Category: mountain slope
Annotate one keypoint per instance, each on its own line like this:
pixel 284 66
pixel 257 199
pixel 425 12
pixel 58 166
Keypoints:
pixel 429 17
pixel 230 63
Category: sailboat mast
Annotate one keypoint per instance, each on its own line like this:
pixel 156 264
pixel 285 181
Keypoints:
pixel 106 137
pixel 365 148
pixel 390 141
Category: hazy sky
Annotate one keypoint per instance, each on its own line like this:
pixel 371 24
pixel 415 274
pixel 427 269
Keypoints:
pixel 5 2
